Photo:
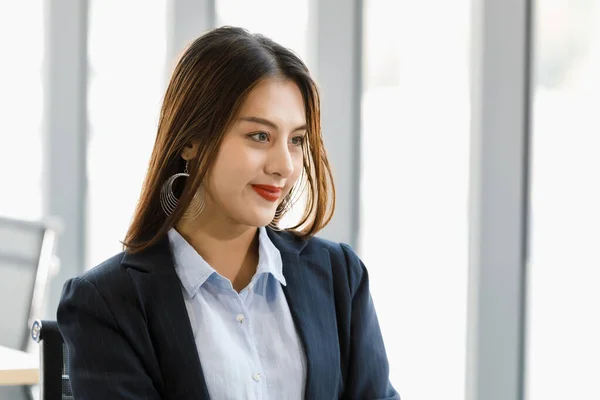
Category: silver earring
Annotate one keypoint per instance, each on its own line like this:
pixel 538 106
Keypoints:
pixel 281 210
pixel 168 200
pixel 287 204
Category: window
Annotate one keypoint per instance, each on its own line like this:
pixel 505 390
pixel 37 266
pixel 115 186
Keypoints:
pixel 414 188
pixel 563 350
pixel 270 18
pixel 21 108
pixel 127 57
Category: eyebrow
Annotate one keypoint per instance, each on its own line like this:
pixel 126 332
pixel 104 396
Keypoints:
pixel 268 123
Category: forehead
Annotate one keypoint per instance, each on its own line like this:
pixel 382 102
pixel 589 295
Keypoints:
pixel 277 99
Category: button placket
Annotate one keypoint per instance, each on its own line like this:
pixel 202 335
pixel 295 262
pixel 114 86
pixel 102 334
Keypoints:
pixel 244 323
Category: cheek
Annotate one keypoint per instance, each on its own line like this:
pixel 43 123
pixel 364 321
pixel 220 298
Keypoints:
pixel 232 160
pixel 226 178
pixel 231 172
pixel 241 159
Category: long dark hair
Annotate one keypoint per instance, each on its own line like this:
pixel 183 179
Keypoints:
pixel 208 85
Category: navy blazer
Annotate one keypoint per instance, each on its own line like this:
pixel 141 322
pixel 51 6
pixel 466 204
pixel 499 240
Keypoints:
pixel 128 334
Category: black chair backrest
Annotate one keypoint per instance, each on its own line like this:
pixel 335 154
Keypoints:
pixel 54 366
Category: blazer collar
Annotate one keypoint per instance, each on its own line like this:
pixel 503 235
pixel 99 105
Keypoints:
pixel 154 258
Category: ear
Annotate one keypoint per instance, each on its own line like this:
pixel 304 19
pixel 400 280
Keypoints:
pixel 190 150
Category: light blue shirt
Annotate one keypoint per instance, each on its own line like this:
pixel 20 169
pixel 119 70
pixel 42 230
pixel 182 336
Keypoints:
pixel 247 342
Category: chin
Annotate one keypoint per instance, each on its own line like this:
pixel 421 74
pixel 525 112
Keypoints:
pixel 259 219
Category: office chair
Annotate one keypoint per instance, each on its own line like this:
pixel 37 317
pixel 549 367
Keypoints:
pixel 26 259
pixel 54 365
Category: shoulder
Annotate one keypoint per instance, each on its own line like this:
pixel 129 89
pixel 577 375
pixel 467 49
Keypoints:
pixel 290 241
pixel 108 283
pixel 345 263
pixel 343 260
pixel 341 253
pixel 108 273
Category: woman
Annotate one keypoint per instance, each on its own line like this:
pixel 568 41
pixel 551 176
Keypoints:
pixel 210 299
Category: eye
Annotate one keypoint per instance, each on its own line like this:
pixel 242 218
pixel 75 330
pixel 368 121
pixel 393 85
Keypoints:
pixel 298 140
pixel 259 136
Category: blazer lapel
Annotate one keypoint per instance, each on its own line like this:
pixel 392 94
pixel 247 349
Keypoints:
pixel 309 293
pixel 160 293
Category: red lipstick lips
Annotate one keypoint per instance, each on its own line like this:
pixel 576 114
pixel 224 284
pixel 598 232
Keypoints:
pixel 268 192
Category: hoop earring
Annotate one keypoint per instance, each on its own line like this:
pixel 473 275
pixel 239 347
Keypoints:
pixel 287 203
pixel 274 224
pixel 169 202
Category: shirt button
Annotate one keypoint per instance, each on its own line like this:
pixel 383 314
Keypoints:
pixel 256 377
pixel 240 318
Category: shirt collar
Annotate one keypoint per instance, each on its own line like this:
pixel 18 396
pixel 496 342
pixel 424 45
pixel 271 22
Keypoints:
pixel 194 271
pixel 269 257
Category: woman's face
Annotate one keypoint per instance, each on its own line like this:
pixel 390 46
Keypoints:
pixel 260 157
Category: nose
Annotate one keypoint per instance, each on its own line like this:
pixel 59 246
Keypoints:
pixel 280 161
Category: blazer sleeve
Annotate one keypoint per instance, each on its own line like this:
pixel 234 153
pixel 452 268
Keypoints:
pixel 368 369
pixel 102 364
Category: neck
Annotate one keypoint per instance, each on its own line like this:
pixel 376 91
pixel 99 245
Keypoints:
pixel 231 251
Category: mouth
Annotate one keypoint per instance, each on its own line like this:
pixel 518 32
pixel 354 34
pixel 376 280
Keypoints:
pixel 268 192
